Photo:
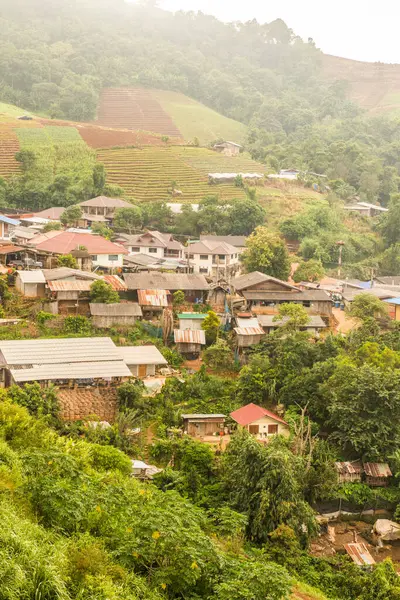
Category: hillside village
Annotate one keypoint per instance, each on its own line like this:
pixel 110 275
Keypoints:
pixel 199 310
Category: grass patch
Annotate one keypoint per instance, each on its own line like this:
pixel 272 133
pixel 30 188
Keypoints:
pixel 196 120
pixel 302 591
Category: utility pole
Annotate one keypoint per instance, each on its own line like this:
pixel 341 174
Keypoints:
pixel 340 244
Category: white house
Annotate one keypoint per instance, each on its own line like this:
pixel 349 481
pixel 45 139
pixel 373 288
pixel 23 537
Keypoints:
pixel 260 422
pixel 7 227
pixel 142 361
pixel 213 258
pixel 153 243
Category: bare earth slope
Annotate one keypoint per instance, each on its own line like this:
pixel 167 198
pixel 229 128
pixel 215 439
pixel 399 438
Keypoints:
pixel 374 86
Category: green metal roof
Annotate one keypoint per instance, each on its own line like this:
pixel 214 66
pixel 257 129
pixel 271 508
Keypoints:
pixel 192 316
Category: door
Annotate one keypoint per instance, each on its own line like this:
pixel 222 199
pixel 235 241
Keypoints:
pixel 142 370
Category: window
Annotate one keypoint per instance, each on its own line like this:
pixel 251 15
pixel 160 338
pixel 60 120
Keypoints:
pixel 203 256
pixel 113 257
pixel 221 256
pixel 94 257
pixel 153 250
pixel 191 256
pixel 203 270
pixel 135 249
pixel 254 429
pixel 272 429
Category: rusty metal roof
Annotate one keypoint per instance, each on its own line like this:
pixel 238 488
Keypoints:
pixel 189 336
pixel 377 470
pixel 70 286
pixel 153 297
pixel 360 554
pixel 10 248
pixel 249 331
pixel 349 468
pixel 116 283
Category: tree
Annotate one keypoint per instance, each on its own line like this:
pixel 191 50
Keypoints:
pixel 71 215
pixel 211 325
pixel 366 306
pixel 296 315
pixel 219 356
pixel 311 270
pixel 102 292
pixel 67 260
pixel 253 581
pixel 39 402
pixel 267 252
pixel 390 223
pixel 128 219
pixel 244 216
pixel 103 230
pixel 156 215
pixel 178 299
pixel 52 226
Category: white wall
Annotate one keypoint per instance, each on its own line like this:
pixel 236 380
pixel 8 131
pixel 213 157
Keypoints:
pixel 145 250
pixel 103 261
pixel 212 267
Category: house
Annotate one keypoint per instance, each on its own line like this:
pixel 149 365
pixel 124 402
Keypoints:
pixel 7 227
pixel 106 315
pixel 288 174
pixel 10 253
pixel 199 426
pixel 377 474
pixel 189 341
pixel 260 422
pixel 349 294
pixel 153 302
pixel 314 325
pixel 87 372
pixel 31 284
pixel 248 331
pixel 102 252
pixel 142 361
pixel 102 206
pixel 191 321
pixel 228 148
pixel 23 235
pixel 194 286
pixel 262 293
pixel 359 554
pixel 52 214
pixel 238 241
pixel 213 258
pixel 141 470
pixel 367 209
pixel 349 472
pixel 394 308
pixel 154 243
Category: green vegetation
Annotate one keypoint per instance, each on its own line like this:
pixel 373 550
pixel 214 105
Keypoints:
pixel 101 291
pixel 267 252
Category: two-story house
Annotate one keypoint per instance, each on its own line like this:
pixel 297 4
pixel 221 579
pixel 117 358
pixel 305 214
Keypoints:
pixel 153 243
pixel 102 208
pixel 213 258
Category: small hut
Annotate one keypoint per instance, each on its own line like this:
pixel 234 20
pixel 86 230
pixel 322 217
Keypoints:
pixel 349 472
pixel 198 425
pixel 377 474
pixel 189 341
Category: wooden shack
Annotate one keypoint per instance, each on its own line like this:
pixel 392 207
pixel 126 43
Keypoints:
pixel 377 474
pixel 192 321
pixel 189 341
pixel 349 472
pixel 106 315
pixel 199 425
pixel 31 284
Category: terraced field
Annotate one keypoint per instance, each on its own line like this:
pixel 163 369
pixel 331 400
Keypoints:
pixel 8 147
pixel 147 174
pixel 134 108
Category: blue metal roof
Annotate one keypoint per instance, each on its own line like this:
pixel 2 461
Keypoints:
pixel 5 219
pixel 393 301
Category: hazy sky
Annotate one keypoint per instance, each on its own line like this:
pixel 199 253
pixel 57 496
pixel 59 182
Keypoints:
pixel 359 29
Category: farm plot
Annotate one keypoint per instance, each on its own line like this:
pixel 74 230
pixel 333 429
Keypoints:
pixel 148 174
pixel 134 108
pixel 101 137
pixel 9 146
pixel 58 150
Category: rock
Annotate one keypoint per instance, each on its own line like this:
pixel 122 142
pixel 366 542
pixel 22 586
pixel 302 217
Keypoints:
pixel 387 530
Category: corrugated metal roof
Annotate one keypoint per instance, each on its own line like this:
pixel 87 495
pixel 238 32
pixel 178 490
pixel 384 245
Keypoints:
pixel 247 322
pixel 10 249
pixel 393 301
pixel 31 276
pixel 268 321
pixel 142 355
pixel 194 417
pixel 251 279
pixel 190 336
pixel 252 412
pixel 153 297
pixel 67 273
pixel 249 331
pixel 56 351
pixel 70 286
pixel 349 468
pixel 123 309
pixel 192 316
pixel 377 470
pixel 9 221
pixel 80 370
pixel 288 296
pixel 166 281
pixel 360 554
pixel 116 283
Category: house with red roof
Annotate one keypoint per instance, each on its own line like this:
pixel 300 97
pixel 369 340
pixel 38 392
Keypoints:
pixel 260 422
pixel 102 252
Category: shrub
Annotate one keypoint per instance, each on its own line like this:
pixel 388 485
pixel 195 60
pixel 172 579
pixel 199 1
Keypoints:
pixel 107 458
pixel 77 325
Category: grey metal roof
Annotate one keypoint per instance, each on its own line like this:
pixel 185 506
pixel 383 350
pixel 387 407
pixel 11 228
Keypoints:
pixel 389 280
pixel 165 281
pixel 81 370
pixel 105 202
pixel 251 279
pixel 239 241
pixel 268 321
pixel 31 276
pixel 299 296
pixel 212 416
pixel 142 355
pixel 65 273
pixel 123 309
pixel 190 336
pixel 58 351
pixel 381 293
